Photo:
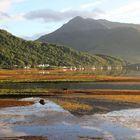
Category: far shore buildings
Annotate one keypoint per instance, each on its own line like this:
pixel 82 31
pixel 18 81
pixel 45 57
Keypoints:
pixel 43 65
pixel 38 66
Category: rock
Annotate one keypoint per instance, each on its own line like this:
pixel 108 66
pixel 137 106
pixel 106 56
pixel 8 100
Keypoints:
pixel 42 102
pixel 65 89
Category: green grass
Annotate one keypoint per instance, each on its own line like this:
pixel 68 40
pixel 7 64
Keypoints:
pixel 47 81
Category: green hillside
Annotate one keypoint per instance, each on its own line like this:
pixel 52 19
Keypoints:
pixel 16 52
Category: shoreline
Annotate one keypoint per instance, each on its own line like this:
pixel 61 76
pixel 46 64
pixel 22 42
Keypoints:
pixel 59 92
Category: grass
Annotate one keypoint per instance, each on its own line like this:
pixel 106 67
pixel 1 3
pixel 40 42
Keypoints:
pixel 118 97
pixel 57 76
pixel 81 104
pixel 68 93
pixel 46 81
pixel 34 75
pixel 73 106
pixel 40 75
pixel 122 98
pixel 26 92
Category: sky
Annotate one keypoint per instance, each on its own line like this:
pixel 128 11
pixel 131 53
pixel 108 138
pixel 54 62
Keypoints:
pixel 32 18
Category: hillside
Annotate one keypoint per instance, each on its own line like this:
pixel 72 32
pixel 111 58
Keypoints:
pixel 99 37
pixel 16 52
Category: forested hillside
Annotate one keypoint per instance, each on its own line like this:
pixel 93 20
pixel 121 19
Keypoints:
pixel 16 52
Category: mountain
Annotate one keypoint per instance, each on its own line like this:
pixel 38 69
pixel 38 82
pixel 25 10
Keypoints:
pixel 16 52
pixel 99 37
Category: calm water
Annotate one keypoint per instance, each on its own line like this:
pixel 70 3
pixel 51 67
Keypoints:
pixel 68 85
pixel 53 121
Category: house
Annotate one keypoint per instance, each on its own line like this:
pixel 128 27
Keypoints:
pixel 43 65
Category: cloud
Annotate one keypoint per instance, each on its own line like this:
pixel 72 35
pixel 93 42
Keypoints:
pixel 4 27
pixel 7 4
pixel 92 4
pixel 7 17
pixel 130 9
pixel 4 16
pixel 56 16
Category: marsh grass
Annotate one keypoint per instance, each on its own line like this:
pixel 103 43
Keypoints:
pixel 132 98
pixel 34 75
pixel 91 104
pixel 73 106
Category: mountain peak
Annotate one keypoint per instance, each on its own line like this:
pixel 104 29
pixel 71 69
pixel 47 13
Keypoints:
pixel 81 24
pixel 81 19
pixel 77 18
pixel 99 36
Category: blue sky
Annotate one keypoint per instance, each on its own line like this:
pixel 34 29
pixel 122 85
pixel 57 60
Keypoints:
pixel 31 18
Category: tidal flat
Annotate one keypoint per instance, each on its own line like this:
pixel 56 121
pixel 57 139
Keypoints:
pixel 77 105
pixel 66 119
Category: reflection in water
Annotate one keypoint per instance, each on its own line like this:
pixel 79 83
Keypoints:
pixel 109 71
pixel 56 123
pixel 89 105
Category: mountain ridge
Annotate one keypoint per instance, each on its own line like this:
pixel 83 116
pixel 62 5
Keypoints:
pixel 99 37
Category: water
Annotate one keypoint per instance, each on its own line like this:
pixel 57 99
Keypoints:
pixel 76 86
pixel 112 120
pixel 53 121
